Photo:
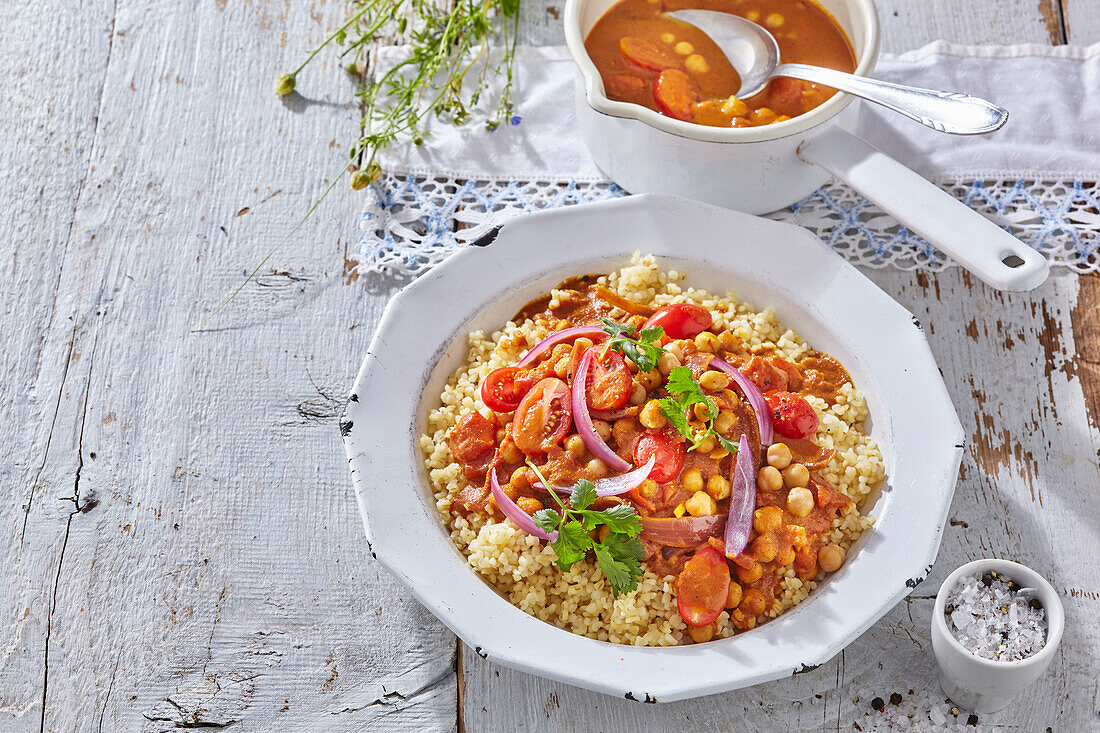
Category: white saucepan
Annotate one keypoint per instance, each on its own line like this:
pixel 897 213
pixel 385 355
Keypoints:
pixel 762 169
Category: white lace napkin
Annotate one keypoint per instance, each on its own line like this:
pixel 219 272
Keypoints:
pixel 1037 176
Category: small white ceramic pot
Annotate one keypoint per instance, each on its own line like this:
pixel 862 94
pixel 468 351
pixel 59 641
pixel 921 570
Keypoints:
pixel 762 169
pixel 986 685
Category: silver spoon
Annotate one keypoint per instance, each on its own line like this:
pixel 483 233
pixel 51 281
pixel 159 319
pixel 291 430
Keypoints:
pixel 753 51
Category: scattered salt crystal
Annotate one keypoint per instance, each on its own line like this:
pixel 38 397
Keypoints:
pixel 992 620
pixel 937 716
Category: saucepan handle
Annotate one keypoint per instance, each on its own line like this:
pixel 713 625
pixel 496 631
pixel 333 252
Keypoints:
pixel 979 245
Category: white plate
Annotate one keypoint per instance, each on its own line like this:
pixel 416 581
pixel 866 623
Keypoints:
pixel 422 339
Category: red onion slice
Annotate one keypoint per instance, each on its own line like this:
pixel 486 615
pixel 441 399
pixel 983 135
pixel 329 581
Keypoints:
pixel 613 485
pixel 683 531
pixel 593 332
pixel 755 398
pixel 742 501
pixel 511 510
pixel 583 420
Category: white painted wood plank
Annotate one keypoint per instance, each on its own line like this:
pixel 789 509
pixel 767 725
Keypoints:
pixel 217 573
pixel 908 24
pixel 1082 21
pixel 47 128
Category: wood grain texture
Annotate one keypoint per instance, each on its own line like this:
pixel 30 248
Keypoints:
pixel 1082 21
pixel 191 555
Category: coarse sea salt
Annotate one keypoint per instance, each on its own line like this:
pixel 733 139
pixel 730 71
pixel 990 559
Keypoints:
pixel 992 620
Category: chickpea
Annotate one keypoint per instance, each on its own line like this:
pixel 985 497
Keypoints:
pixel 701 634
pixel 501 434
pixel 561 325
pixel 769 479
pixel 650 380
pixel 785 556
pixel 666 363
pixel 767 518
pixel 696 64
pixel 529 504
pixel 630 365
pixel 651 416
pixel 779 455
pixel 683 48
pixel 561 367
pixel 519 478
pixel 800 501
pixel 734 107
pixel 733 598
pixel 830 558
pixel 764 548
pixel 774 20
pixel 676 348
pixel 707 342
pixel 700 411
pixel 510 453
pixel 509 491
pixel 727 341
pixel 753 604
pixel 583 343
pixel 796 475
pixel 668 37
pixel 693 480
pixel 637 394
pixel 707 445
pixel 648 488
pixel 596 468
pixel 503 418
pixel 713 381
pixel 701 505
pixel 725 422
pixel 751 574
pixel 762 116
pixel 575 446
pixel 718 487
pixel 753 15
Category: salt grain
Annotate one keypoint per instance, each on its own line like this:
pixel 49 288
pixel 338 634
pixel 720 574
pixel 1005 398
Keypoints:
pixel 991 620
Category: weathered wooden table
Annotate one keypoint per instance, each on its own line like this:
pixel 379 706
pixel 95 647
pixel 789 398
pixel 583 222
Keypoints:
pixel 180 541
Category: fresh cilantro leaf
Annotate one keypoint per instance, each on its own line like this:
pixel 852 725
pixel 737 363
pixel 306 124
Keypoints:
pixel 547 520
pixel 673 411
pixel 584 493
pixel 643 351
pixel 726 443
pixel 572 544
pixel 623 520
pixel 620 560
pixel 680 382
pixel 619 555
pixel 685 393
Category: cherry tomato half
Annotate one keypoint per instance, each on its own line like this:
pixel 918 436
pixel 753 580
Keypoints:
pixel 543 417
pixel 499 392
pixel 702 587
pixel 793 416
pixel 675 94
pixel 609 382
pixel 681 320
pixel 668 456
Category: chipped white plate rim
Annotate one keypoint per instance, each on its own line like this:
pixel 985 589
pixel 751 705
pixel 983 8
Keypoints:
pixel 421 339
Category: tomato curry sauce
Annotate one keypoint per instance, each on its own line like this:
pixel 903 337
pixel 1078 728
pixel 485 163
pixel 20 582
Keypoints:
pixel 674 68
pixel 684 501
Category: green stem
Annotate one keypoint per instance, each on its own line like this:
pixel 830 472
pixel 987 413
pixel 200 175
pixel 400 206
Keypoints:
pixel 270 253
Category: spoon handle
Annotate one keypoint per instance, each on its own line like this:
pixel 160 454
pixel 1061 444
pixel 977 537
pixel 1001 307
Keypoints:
pixel 959 114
